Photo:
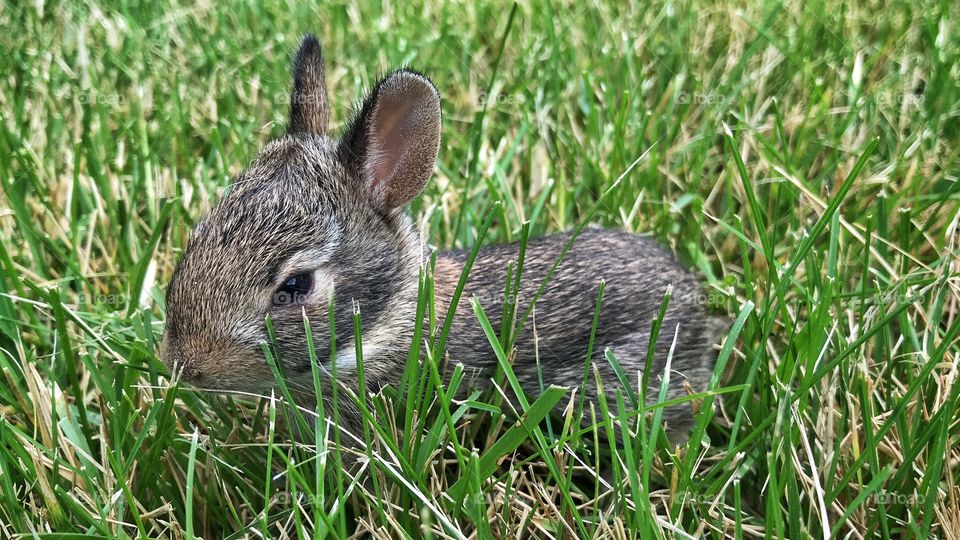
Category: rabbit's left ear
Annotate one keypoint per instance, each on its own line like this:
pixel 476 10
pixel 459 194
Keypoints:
pixel 309 106
pixel 393 143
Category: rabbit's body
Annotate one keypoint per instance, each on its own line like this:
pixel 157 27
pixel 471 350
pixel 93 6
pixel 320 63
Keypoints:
pixel 315 217
pixel 552 346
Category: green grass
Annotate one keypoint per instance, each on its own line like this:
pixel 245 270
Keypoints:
pixel 802 156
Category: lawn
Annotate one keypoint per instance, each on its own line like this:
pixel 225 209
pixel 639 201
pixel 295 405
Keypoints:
pixel 802 157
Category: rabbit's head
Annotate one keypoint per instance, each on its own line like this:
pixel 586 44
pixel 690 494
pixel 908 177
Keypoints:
pixel 312 217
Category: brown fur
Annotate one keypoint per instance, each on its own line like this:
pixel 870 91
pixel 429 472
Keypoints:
pixel 334 208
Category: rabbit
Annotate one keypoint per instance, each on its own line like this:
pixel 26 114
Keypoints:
pixel 315 216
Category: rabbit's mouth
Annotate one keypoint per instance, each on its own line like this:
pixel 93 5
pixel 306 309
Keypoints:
pixel 216 368
pixel 237 384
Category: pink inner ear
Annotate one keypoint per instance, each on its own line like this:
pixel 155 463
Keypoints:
pixel 390 134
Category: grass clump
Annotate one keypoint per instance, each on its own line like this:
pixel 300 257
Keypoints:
pixel 803 157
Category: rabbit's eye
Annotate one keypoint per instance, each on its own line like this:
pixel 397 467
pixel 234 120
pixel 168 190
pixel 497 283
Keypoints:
pixel 294 290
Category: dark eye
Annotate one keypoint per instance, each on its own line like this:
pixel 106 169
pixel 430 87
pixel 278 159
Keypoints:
pixel 294 290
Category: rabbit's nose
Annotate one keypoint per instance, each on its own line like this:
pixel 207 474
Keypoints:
pixel 183 365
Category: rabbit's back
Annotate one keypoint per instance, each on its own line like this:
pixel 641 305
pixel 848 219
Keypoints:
pixel 637 272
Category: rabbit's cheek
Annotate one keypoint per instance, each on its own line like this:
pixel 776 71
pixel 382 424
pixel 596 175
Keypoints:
pixel 239 370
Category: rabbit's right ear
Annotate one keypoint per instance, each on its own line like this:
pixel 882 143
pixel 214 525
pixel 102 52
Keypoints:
pixel 393 143
pixel 309 106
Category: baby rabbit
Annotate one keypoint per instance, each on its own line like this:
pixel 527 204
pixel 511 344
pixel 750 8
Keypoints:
pixel 315 215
